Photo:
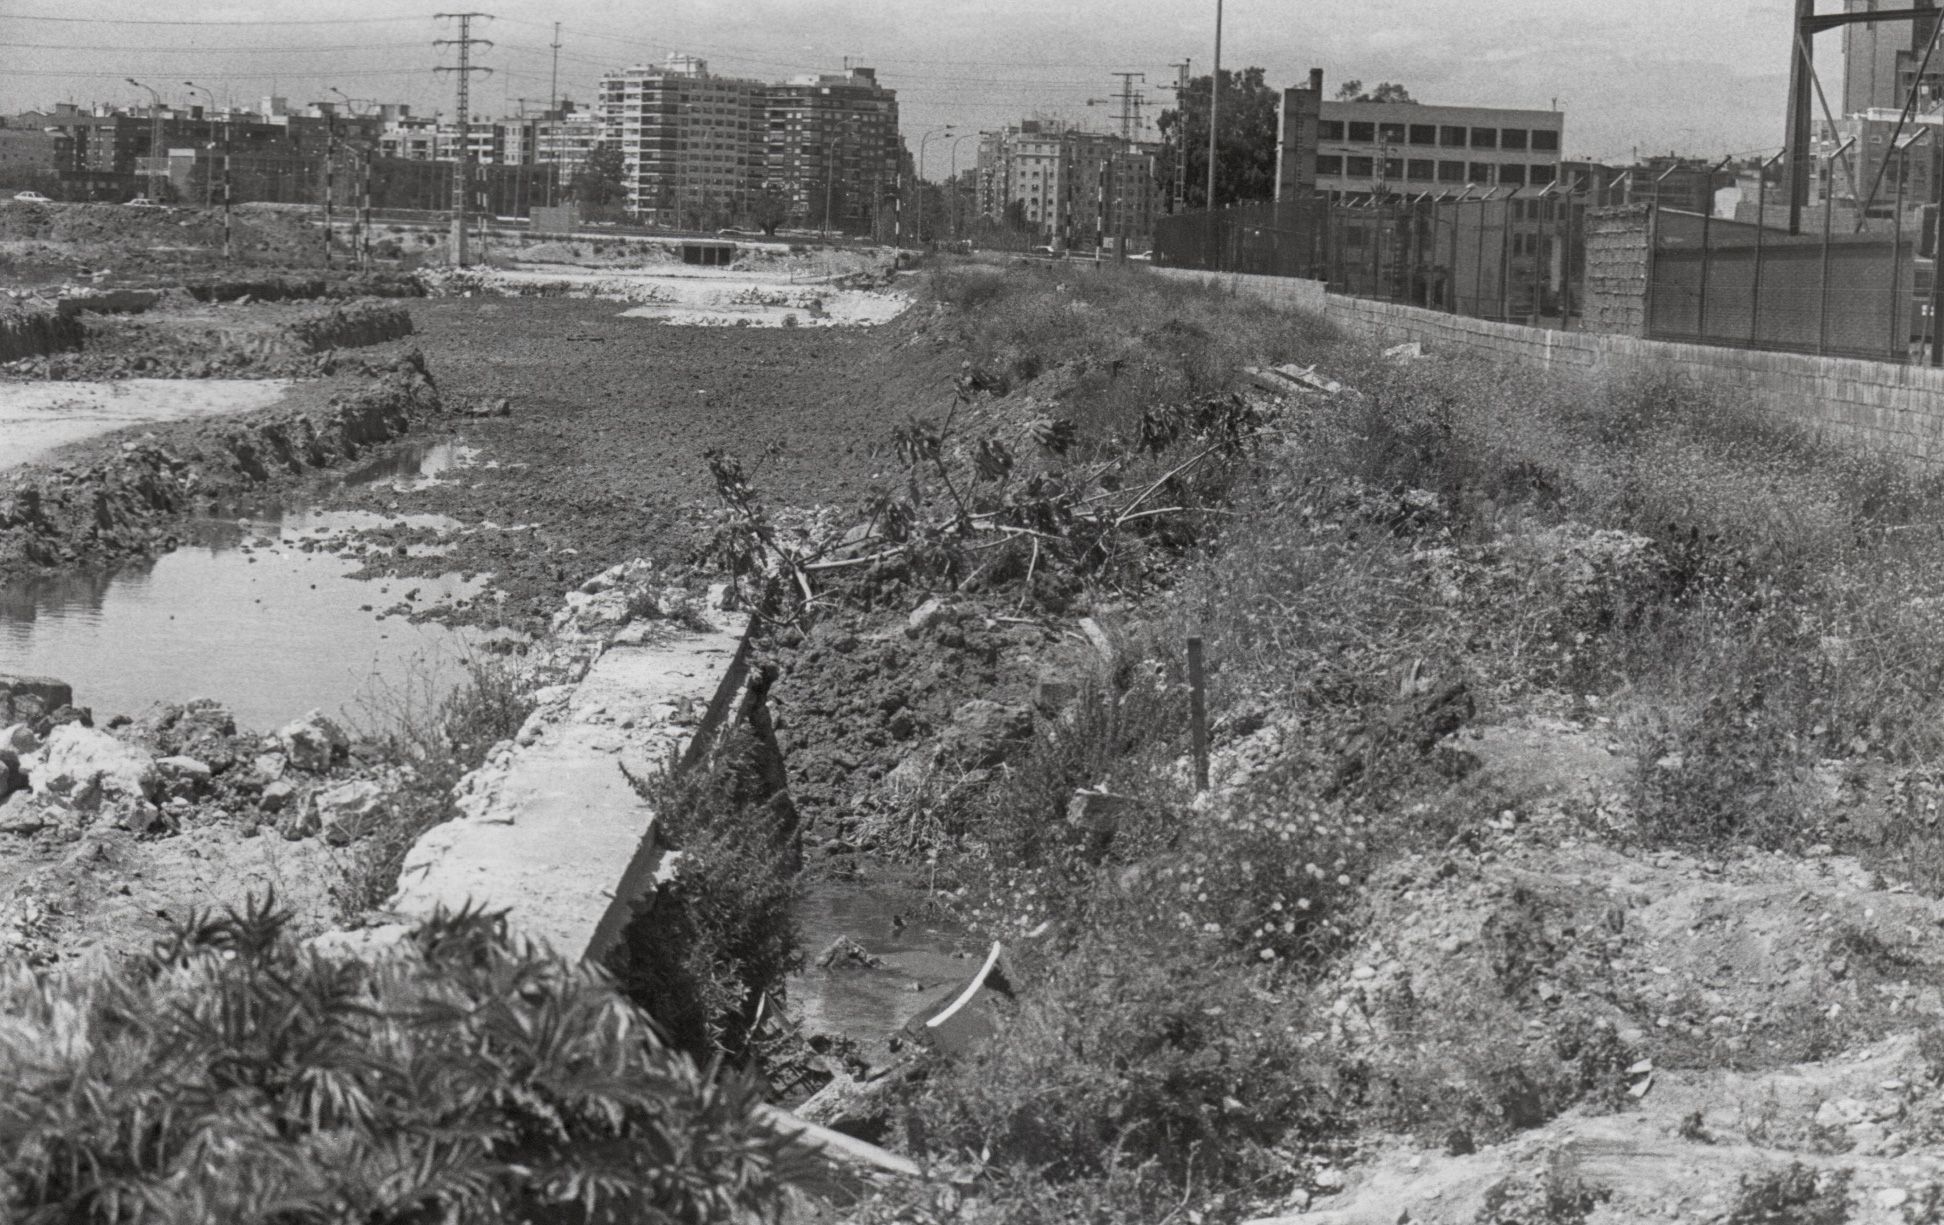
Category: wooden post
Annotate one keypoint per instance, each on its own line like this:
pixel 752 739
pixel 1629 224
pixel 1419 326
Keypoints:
pixel 1198 712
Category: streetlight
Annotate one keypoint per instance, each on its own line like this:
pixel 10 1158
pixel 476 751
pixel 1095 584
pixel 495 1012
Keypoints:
pixel 951 183
pixel 922 142
pixel 155 139
pixel 209 180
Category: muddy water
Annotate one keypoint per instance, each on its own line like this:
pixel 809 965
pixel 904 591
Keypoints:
pixel 37 417
pixel 245 614
pixel 892 922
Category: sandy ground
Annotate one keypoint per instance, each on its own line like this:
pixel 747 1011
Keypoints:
pixel 38 417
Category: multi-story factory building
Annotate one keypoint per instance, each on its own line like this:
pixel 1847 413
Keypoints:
pixel 1411 148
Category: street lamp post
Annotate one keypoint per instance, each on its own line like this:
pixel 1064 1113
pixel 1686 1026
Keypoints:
pixel 227 250
pixel 155 140
pixel 951 184
pixel 922 142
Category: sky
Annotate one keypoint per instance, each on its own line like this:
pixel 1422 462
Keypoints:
pixel 1651 76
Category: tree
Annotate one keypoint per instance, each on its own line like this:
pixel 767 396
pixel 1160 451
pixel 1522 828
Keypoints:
pixel 1386 91
pixel 1245 167
pixel 597 186
pixel 770 209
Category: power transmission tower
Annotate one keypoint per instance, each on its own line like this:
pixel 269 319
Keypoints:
pixel 462 170
pixel 1130 115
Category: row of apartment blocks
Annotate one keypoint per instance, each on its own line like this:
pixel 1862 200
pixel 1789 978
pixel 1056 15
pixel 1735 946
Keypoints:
pixel 1071 187
pixel 823 148
pixel 696 148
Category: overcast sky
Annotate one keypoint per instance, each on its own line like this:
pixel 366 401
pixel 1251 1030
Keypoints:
pixel 1652 75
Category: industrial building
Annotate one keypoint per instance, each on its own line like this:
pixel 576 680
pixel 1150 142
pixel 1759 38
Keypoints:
pixel 1363 147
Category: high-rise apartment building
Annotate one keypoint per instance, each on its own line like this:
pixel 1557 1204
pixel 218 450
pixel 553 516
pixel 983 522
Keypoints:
pixel 691 142
pixel 1070 187
pixel 1881 58
pixel 831 148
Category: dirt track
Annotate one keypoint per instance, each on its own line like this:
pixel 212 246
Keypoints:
pixel 610 419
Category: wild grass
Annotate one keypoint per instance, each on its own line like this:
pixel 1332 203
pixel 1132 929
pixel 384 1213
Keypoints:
pixel 432 737
pixel 1755 609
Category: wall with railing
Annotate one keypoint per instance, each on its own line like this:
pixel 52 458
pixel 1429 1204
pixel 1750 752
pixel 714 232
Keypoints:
pixel 1886 406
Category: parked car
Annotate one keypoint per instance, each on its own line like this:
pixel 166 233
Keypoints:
pixel 31 197
pixel 142 202
pixel 1144 256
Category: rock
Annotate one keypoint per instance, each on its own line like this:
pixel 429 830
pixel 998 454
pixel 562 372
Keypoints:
pixel 924 617
pixel 984 732
pixel 1054 693
pixel 313 742
pixel 1891 1197
pixel 60 715
pixel 270 766
pixel 203 729
pixel 277 795
pixel 298 824
pixel 85 769
pixel 183 777
pixel 20 738
pixel 139 818
pixel 24 699
pixel 20 815
pixel 348 811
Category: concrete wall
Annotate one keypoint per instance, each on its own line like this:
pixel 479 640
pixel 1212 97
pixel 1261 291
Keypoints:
pixel 1619 243
pixel 1879 405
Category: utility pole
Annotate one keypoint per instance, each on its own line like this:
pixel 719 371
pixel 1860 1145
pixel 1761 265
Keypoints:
pixel 1214 102
pixel 553 94
pixel 462 171
pixel 1181 139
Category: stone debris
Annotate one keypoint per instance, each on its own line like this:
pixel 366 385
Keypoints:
pixel 313 743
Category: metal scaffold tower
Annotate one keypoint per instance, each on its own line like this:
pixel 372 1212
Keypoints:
pixel 462 169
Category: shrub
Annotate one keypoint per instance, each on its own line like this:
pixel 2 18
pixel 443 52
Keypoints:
pixel 236 1075
pixel 1133 1053
pixel 719 931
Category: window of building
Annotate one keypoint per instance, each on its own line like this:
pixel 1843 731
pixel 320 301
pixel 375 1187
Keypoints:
pixel 1512 175
pixel 1363 133
pixel 1539 175
pixel 1545 140
pixel 1329 163
pixel 1484 138
pixel 1390 133
pixel 1480 172
pixel 1451 172
pixel 1424 133
pixel 1393 168
pixel 1360 167
pixel 1329 129
pixel 1512 138
pixel 1451 137
pixel 1421 169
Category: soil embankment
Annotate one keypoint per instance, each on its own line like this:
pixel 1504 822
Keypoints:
pixel 116 497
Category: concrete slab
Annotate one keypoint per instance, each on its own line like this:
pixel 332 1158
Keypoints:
pixel 552 831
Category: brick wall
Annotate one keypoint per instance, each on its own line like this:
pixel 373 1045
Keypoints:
pixel 1879 405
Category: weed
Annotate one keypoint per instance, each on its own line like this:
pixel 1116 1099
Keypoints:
pixel 434 741
pixel 718 931
pixel 1794 1195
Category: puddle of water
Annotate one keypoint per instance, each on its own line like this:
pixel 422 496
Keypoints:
pixel 269 631
pixel 415 465
pixel 37 417
pixel 869 1004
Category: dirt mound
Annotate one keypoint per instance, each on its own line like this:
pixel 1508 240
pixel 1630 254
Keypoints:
pixel 114 497
pixel 203 342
